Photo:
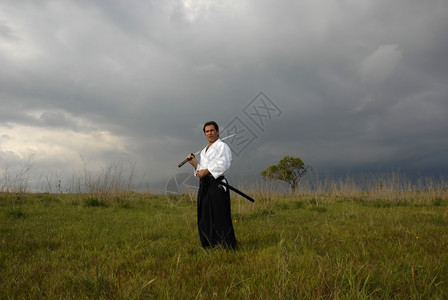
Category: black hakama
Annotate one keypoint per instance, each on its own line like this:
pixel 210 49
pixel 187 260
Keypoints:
pixel 214 215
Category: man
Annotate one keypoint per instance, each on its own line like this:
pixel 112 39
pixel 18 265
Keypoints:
pixel 214 216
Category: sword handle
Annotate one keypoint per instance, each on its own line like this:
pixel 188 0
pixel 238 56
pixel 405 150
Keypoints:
pixel 184 161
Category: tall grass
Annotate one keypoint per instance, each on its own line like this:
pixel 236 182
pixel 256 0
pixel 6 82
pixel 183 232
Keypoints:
pixel 113 182
pixel 391 186
pixel 384 237
pixel 338 248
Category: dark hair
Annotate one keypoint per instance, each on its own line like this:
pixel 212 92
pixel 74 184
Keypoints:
pixel 211 123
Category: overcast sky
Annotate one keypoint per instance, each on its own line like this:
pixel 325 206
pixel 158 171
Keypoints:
pixel 355 85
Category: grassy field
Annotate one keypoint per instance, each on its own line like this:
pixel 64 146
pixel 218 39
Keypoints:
pixel 146 246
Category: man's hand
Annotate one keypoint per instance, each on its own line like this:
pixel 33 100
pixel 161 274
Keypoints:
pixel 192 160
pixel 202 173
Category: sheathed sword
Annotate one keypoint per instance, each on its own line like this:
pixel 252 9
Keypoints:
pixel 197 152
pixel 237 191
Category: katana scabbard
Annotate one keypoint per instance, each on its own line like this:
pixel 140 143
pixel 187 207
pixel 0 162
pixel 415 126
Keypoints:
pixel 237 191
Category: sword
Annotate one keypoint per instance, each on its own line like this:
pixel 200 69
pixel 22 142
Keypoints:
pixel 237 191
pixel 197 152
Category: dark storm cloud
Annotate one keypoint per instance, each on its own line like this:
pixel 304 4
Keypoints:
pixel 359 83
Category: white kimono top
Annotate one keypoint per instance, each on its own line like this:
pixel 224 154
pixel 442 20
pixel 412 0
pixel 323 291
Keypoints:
pixel 216 159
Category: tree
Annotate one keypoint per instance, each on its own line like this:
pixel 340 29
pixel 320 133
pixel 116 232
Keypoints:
pixel 289 169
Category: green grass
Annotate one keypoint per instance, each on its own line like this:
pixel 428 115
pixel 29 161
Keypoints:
pixel 143 246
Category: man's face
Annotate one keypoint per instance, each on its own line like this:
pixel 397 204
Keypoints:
pixel 211 133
